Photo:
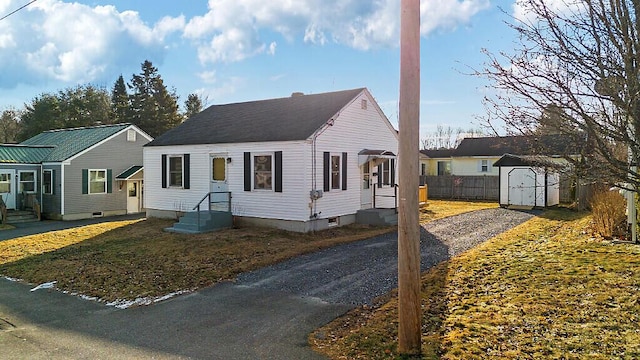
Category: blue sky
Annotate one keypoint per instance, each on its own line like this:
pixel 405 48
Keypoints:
pixel 239 50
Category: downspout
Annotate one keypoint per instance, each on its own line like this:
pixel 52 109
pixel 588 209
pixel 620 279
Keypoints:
pixel 62 191
pixel 313 207
pixel 41 192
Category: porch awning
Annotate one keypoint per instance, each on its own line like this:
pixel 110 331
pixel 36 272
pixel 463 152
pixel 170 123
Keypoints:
pixel 377 156
pixel 129 173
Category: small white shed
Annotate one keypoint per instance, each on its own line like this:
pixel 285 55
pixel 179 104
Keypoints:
pixel 526 182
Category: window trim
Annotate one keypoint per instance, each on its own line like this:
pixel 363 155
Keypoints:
pixel 484 166
pixel 169 182
pixel 20 181
pixel 253 170
pixel 44 177
pixel 131 135
pixel 89 181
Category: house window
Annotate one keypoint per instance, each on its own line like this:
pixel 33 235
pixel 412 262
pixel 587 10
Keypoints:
pixel 27 182
pixel 47 182
pixel 131 135
pixel 218 166
pixel 444 168
pixel 5 183
pixel 262 172
pixel 423 169
pixel 175 171
pixel 483 166
pixel 97 181
pixel 386 172
pixel 335 172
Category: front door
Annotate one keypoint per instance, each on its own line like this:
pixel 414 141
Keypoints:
pixel 134 196
pixel 366 190
pixel 8 188
pixel 219 184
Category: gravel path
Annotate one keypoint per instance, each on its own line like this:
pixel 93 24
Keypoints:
pixel 358 272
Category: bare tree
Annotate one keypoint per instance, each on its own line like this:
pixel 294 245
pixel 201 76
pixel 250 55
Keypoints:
pixel 575 71
pixel 448 137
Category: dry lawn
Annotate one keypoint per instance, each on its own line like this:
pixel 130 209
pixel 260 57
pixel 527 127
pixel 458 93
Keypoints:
pixel 437 209
pixel 126 260
pixel 546 289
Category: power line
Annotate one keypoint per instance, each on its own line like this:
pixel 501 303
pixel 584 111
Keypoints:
pixel 18 9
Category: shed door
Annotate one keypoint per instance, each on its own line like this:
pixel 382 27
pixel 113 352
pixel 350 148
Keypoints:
pixel 8 188
pixel 522 187
pixel 219 185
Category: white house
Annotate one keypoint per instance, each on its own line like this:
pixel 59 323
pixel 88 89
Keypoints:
pixel 303 163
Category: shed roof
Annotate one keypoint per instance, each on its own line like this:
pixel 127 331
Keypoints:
pixel 69 142
pixel 283 119
pixel 18 154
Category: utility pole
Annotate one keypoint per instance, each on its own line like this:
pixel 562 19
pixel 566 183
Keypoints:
pixel 409 309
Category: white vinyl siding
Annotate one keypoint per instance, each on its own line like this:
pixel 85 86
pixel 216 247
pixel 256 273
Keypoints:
pixel 354 129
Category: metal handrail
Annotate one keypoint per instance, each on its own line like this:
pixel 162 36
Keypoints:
pixel 228 201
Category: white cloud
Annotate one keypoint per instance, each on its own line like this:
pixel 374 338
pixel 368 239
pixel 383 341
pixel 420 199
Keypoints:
pixel 73 42
pixel 233 30
pixel 523 11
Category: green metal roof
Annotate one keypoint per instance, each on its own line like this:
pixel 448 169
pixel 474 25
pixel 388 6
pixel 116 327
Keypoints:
pixel 18 154
pixel 129 172
pixel 69 142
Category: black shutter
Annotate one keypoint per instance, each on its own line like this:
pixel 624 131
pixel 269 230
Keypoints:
pixel 85 181
pixel 392 172
pixel 327 171
pixel 164 171
pixel 186 164
pixel 380 176
pixel 247 171
pixel 109 181
pixel 278 172
pixel 344 171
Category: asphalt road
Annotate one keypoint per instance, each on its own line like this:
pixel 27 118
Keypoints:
pixel 266 314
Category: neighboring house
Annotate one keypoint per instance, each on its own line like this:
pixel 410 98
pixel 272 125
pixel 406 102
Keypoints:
pixel 75 173
pixel 303 163
pixel 476 156
pixel 475 169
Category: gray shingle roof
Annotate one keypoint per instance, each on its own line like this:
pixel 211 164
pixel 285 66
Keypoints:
pixel 284 119
pixel 520 145
pixel 69 142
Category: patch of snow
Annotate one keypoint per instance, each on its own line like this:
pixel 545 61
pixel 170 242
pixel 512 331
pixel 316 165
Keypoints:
pixel 11 279
pixel 124 304
pixel 49 285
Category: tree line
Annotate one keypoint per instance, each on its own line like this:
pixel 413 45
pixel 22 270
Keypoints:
pixel 145 102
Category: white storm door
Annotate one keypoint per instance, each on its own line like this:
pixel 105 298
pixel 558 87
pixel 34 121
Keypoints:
pixel 134 196
pixel 366 190
pixel 219 185
pixel 8 188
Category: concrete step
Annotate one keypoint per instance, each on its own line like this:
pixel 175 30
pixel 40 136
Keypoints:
pixel 20 216
pixel 208 221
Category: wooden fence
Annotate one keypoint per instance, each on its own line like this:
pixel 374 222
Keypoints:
pixel 486 187
pixel 462 187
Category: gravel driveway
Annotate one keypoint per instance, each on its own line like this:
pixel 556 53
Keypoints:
pixel 265 314
pixel 357 273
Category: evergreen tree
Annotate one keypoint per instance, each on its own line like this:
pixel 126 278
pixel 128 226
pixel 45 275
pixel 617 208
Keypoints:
pixel 193 105
pixel 153 108
pixel 9 126
pixel 120 105
pixel 42 114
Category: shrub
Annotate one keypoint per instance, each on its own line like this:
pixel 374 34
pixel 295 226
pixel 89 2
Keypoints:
pixel 609 213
